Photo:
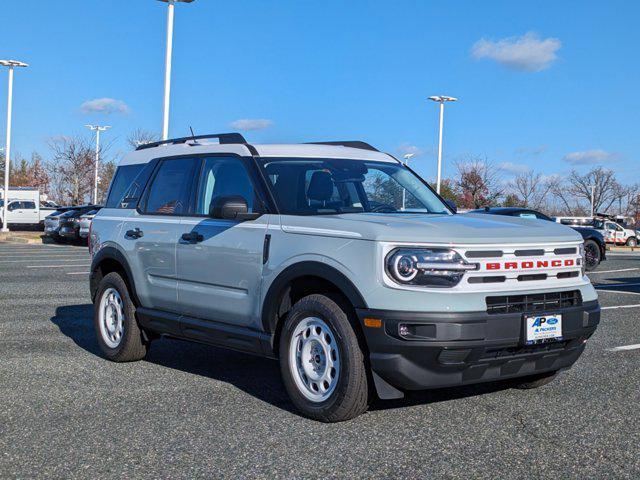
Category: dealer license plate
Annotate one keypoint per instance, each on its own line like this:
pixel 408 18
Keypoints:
pixel 543 328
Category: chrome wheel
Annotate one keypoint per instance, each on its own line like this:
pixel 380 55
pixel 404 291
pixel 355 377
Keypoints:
pixel 314 359
pixel 111 317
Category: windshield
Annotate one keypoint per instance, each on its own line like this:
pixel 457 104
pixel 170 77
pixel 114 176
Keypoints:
pixel 304 186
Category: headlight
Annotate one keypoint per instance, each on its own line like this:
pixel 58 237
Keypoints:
pixel 427 267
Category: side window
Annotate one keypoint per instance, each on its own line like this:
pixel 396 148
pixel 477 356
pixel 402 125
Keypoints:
pixel 29 206
pixel 13 206
pixel 169 192
pixel 122 180
pixel 223 177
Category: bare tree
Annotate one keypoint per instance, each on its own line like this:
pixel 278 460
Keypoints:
pixel 532 189
pixel 107 170
pixel 141 137
pixel 478 183
pixel 71 169
pixel 606 189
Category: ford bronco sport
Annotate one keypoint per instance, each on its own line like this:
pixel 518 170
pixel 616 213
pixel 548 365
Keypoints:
pixel 337 260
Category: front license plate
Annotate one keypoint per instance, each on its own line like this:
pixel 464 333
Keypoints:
pixel 543 328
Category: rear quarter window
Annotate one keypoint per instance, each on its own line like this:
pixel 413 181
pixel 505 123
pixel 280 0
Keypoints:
pixel 122 182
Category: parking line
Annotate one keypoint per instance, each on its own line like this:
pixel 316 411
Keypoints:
pixel 625 348
pixel 56 266
pixel 618 291
pixel 616 307
pixel 77 273
pixel 635 284
pixel 616 271
pixel 47 259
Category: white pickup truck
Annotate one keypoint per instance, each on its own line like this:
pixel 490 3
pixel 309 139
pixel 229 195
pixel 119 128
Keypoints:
pixel 24 212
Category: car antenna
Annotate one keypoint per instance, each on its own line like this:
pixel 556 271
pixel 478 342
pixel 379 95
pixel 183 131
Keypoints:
pixel 193 135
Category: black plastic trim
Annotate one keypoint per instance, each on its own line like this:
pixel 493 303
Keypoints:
pixel 210 332
pixel 111 253
pixel 302 269
pixel 348 143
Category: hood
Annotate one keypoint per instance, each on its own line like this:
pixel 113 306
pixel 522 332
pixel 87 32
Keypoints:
pixel 440 229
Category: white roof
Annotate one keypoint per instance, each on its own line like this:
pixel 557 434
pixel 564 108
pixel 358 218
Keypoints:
pixel 283 150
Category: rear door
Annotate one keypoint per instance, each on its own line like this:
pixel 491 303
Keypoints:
pixel 220 270
pixel 151 232
pixel 30 212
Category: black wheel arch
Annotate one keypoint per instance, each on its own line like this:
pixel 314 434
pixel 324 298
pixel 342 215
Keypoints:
pixel 107 260
pixel 325 274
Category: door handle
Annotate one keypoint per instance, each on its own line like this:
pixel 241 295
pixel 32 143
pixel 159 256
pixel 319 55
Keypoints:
pixel 135 233
pixel 192 237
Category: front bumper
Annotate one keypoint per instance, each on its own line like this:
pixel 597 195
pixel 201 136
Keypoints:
pixel 466 348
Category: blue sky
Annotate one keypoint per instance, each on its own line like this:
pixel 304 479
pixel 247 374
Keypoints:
pixel 547 85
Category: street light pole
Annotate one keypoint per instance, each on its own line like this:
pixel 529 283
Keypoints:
pixel 167 66
pixel 97 129
pixel 7 157
pixel 593 195
pixel 407 157
pixel 441 99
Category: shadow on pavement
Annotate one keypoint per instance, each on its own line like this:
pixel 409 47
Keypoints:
pixel 258 377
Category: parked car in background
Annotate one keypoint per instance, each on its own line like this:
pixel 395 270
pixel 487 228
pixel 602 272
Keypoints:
pixel 594 242
pixel 52 222
pixel 70 222
pixel 85 223
pixel 613 228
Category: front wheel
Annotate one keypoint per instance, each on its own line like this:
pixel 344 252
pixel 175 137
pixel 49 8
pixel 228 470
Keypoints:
pixel 322 363
pixel 632 242
pixel 592 255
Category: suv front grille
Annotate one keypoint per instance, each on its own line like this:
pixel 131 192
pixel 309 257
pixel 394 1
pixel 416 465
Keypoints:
pixel 535 302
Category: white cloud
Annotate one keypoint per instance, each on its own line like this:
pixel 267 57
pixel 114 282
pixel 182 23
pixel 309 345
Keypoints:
pixel 534 151
pixel 588 157
pixel 106 106
pixel 252 124
pixel 528 53
pixel 406 149
pixel 514 168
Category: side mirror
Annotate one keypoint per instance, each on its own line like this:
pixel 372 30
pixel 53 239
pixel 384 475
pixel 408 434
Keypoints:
pixel 452 205
pixel 232 207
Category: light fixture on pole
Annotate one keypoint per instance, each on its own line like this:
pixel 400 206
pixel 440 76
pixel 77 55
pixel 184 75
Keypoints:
pixel 441 99
pixel 97 129
pixel 11 64
pixel 167 66
pixel 407 157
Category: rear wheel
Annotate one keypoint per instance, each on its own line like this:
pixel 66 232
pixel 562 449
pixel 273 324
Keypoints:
pixel 114 318
pixel 322 363
pixel 592 255
pixel 632 242
pixel 535 381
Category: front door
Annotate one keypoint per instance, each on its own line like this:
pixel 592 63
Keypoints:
pixel 220 261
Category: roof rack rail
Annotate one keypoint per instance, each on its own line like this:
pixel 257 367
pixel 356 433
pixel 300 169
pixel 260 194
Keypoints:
pixel 349 143
pixel 224 138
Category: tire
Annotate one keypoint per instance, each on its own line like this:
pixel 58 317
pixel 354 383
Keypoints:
pixel 535 381
pixel 592 255
pixel 119 336
pixel 319 346
pixel 632 242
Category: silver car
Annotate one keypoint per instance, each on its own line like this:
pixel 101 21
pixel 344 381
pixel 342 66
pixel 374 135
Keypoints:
pixel 340 262
pixel 52 222
pixel 85 223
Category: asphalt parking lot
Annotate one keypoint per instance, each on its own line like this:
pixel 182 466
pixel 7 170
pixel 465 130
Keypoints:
pixel 197 411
